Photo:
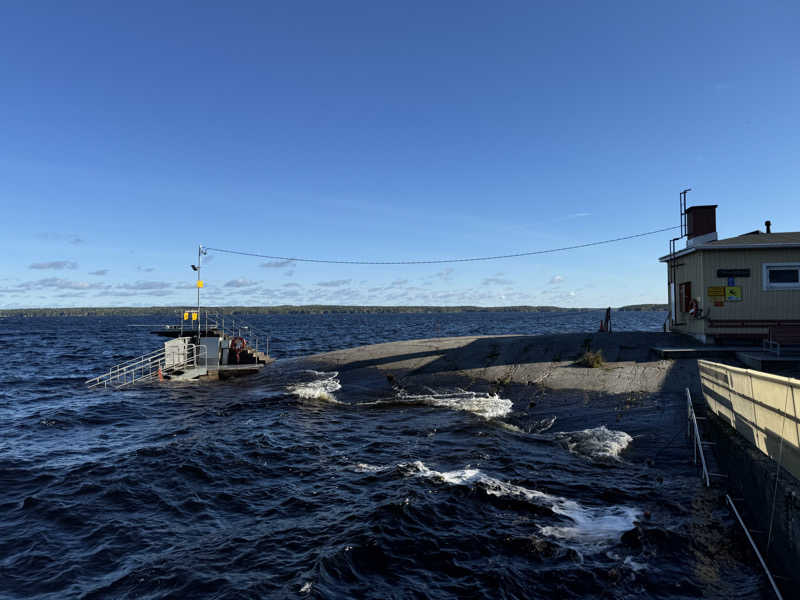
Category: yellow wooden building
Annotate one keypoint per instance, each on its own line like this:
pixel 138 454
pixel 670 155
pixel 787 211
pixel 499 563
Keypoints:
pixel 732 289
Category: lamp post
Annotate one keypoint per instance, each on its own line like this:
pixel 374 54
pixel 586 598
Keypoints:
pixel 200 252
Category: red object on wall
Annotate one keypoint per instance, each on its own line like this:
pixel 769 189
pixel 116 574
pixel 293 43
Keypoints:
pixel 685 294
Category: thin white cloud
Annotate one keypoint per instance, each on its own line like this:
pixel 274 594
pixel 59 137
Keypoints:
pixel 277 264
pixel 60 284
pixel 144 285
pixel 99 272
pixel 577 215
pixel 70 238
pixel 555 279
pixel 497 281
pixel 445 274
pixel 146 269
pixel 334 283
pixel 241 282
pixel 128 293
pixel 56 265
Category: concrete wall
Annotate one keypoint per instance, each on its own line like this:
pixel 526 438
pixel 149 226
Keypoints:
pixel 761 407
pixel 750 413
pixel 751 475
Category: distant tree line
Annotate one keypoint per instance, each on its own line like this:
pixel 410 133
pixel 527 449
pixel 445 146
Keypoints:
pixel 642 307
pixel 288 309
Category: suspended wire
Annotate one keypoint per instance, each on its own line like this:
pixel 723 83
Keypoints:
pixel 439 261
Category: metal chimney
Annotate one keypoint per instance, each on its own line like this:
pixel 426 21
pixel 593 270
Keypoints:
pixel 768 225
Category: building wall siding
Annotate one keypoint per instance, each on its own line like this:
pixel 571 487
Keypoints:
pixel 700 268
pixel 756 302
pixel 688 268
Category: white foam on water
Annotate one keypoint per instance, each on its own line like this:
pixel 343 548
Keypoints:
pixel 488 406
pixel 592 525
pixel 509 427
pixel 321 388
pixel 543 425
pixel 367 468
pixel 306 587
pixel 589 525
pixel 597 443
pixel 635 566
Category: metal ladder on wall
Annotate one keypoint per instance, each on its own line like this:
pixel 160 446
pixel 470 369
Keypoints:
pixel 149 367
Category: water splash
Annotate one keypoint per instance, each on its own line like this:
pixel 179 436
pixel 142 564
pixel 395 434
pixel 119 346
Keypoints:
pixel 598 443
pixel 588 525
pixel 543 425
pixel 488 406
pixel 321 388
pixel 367 468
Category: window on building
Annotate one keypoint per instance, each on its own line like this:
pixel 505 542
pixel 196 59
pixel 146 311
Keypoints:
pixel 781 276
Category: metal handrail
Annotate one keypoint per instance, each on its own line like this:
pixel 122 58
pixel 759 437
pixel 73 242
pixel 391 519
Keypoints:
pixel 139 358
pixel 755 548
pixel 697 442
pixel 254 337
pixel 147 367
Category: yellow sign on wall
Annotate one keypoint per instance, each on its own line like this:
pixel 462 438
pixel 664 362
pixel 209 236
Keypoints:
pixel 186 316
pixel 716 290
pixel 733 293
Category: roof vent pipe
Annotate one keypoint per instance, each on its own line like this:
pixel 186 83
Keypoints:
pixel 768 225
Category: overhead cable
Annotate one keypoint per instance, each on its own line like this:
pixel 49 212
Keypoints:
pixel 438 261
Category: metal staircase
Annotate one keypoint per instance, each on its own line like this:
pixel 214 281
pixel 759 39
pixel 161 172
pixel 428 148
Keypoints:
pixel 172 360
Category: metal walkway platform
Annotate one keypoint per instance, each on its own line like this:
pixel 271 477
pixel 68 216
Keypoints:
pixel 769 361
pixel 701 351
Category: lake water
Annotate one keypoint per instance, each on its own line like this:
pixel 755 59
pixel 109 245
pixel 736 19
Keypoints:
pixel 289 484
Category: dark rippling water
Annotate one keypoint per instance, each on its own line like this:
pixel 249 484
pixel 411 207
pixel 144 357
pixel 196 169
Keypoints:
pixel 286 485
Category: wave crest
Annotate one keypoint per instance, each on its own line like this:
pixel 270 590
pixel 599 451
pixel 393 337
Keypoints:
pixel 589 525
pixel 321 388
pixel 598 443
pixel 488 406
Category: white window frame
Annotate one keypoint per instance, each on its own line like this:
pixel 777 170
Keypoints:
pixel 765 283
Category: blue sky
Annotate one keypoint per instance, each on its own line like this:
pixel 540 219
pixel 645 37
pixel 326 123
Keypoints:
pixel 132 132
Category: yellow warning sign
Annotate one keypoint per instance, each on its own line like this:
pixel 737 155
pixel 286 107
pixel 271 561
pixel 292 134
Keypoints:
pixel 733 293
pixel 186 316
pixel 194 316
pixel 199 283
pixel 716 290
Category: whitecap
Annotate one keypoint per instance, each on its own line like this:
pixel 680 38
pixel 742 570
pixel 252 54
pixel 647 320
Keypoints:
pixel 543 425
pixel 589 525
pixel 321 388
pixel 488 406
pixel 367 468
pixel 597 443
